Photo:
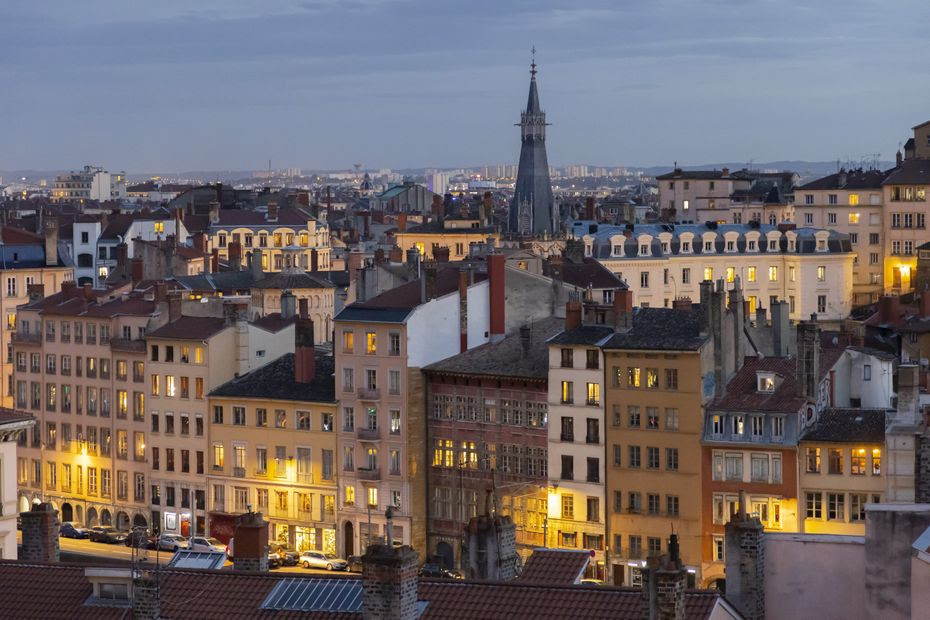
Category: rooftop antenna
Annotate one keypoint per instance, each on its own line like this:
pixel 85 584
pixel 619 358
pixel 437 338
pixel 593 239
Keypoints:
pixel 533 62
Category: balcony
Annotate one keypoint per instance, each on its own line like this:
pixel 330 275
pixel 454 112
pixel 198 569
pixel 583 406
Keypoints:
pixel 369 434
pixel 125 344
pixel 369 393
pixel 238 472
pixel 369 474
pixel 31 339
pixel 568 437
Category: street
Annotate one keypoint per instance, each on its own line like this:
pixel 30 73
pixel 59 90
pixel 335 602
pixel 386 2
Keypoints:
pixel 83 551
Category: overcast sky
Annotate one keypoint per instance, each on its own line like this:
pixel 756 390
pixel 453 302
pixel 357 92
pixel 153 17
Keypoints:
pixel 172 85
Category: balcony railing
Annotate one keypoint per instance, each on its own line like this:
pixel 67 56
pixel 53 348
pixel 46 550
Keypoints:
pixel 369 433
pixel 305 478
pixel 568 437
pixel 125 344
pixel 369 474
pixel 369 393
pixel 239 472
pixel 21 338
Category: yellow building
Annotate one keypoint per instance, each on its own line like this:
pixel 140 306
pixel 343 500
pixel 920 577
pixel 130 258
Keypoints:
pixel 653 404
pixel 275 450
pixel 840 470
pixel 907 202
pixel 455 234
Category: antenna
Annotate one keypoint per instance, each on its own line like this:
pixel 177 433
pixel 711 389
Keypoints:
pixel 533 62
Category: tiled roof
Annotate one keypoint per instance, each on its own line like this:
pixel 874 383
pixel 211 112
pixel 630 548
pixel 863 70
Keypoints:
pixel 506 358
pixel 287 216
pixel 855 179
pixel 661 329
pixel 73 303
pixel 848 425
pixel 19 236
pixel 555 566
pixel 190 328
pixel 276 380
pixel 590 272
pixel 225 281
pixel 678 173
pixel 585 335
pixel 910 172
pixel 291 281
pixel 273 322
pixel 408 295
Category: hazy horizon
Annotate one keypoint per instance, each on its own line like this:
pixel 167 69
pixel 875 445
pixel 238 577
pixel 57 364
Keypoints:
pixel 409 84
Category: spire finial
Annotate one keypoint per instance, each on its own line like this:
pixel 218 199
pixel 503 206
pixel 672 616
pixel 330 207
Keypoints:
pixel 533 62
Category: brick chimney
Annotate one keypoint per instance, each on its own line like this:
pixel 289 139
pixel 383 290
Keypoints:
pixel 497 296
pixel 744 541
pixel 396 255
pixel 272 211
pixel 174 306
pixel 51 241
pixel 437 208
pixel 40 534
pixel 137 270
pixel 924 303
pixel 215 261
pixel 250 543
pixel 401 222
pixel 35 292
pixel 664 582
pixel 486 209
pixel 389 581
pixel 304 353
pixel 573 311
pixel 623 309
pixel 491 545
pixel 682 303
pixel 200 242
pixel 235 255
pixel 808 359
pixel 889 308
pixel 589 208
pixel 88 291
pixel 428 283
pixel 441 253
pixel 122 258
pixel 146 603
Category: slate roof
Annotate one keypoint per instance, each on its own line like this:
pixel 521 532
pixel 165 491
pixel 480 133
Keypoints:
pixel 190 328
pixel 848 426
pixel 287 217
pixel 226 281
pixel 589 272
pixel 60 591
pixel 275 380
pixel 584 335
pixel 291 281
pixel 506 358
pixel 555 566
pixel 855 179
pixel 678 173
pixel 273 322
pixel 910 172
pixel 660 329
pixel 438 228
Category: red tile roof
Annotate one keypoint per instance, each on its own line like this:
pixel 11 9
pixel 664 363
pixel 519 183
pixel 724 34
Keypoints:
pixel 190 328
pixel 555 566
pixel 19 236
pixel 408 295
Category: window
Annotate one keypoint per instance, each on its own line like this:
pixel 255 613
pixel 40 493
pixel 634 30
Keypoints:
pixel 738 425
pixel 568 390
pixel 836 507
pixel 758 424
pixel 593 469
pixel 592 359
pixel 734 466
pixel 567 358
pixel 857 462
pixel 773 273
pixel 373 497
pixel 280 418
pixel 686 275
pixel 218 456
pixel 217 413
pixel 652 457
pixel 348 341
pixel 593 393
pixel 857 502
pixel 633 416
pixel 239 416
pixel 652 418
pixel 633 377
pixel 836 460
pixel 821 303
pixel 717 425
pixel 568 467
pixel 644 279
pixel 394 343
pixel 814 505
pixel 371 343
pixel 671 459
pixel 778 428
pixel 634 456
pixel 876 461
pixel 568 506
pixel 593 431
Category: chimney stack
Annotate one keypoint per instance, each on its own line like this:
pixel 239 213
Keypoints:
pixel 214 209
pixel 250 542
pixel 200 242
pixel 272 211
pixel 441 253
pixel 428 283
pixel 808 359
pixel 573 311
pixel 314 260
pixel 256 265
pixel 51 241
pixel 589 208
pixel 35 292
pixel 88 291
pixel 525 339
pixel 744 539
pixel 389 583
pixel 401 222
pixel 497 296
pixel 304 352
pixel 437 207
pixel 623 309
pixel 664 582
pixel 122 258
pixel 40 534
pixel 215 261
pixel 288 305
pixel 137 270
pixel 463 310
pixel 235 256
pixel 396 255
pixel 487 208
pixel 146 604
pixel 780 328
pixel 682 303
pixel 174 306
pixel 413 257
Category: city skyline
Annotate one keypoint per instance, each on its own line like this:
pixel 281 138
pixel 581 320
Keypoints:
pixel 232 84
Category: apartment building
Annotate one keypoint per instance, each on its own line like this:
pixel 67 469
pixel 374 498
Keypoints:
pixel 487 419
pixel 274 428
pixel 14 427
pixel 809 268
pixel 577 435
pixel 271 231
pixel 186 359
pixel 699 195
pixel 904 227
pixel 90 183
pixel 80 368
pixel 656 368
pixel 26 260
pixel 850 202
pixel 841 470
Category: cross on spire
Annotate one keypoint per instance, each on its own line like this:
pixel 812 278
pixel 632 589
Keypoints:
pixel 533 62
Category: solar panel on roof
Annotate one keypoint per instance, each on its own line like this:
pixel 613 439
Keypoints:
pixel 197 559
pixel 315 594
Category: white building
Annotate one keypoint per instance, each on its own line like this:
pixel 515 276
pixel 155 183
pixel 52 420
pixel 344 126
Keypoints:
pixel 13 424
pixel 809 268
pixel 90 183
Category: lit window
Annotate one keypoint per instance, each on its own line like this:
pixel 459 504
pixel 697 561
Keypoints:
pixel 751 274
pixel 773 274
pixel 348 342
pixel 731 274
pixel 821 273
pixel 371 343
pixel 853 201
pixel 350 496
pixel 708 273
pixel 876 461
pixel 373 497
pixel 766 383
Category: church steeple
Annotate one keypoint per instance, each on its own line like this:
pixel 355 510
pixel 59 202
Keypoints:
pixel 532 210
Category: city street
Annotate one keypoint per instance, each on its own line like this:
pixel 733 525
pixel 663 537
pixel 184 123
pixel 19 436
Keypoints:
pixel 84 551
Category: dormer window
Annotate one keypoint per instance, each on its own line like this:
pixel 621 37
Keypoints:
pixel 731 246
pixel 751 245
pixel 773 245
pixel 644 250
pixel 765 382
pixel 618 250
pixel 708 246
pixel 821 245
pixel 686 246
pixel 665 247
pixel 587 250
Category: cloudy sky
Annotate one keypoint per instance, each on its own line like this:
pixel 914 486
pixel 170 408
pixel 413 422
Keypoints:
pixel 173 85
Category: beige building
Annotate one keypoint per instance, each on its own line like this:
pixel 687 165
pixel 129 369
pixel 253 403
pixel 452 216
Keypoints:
pixel 274 429
pixel 186 359
pixel 79 356
pixel 457 235
pixel 14 428
pixel 907 202
pixel 850 202
pixel 28 260
pixel 840 470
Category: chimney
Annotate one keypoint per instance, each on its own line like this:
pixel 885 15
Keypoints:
pixel 389 583
pixel 664 584
pixel 739 322
pixel 808 359
pixel 401 222
pixel 924 303
pixel 288 305
pixel 215 261
pixel 35 292
pixel 250 542
pixel 256 265
pixel 573 311
pixel 744 540
pixel 69 287
pixel 437 207
pixel 525 339
pixel 137 269
pixel 314 260
pixel 214 211
pixel 146 604
pixel 304 353
pixel 272 211
pixel 780 328
pixel 200 242
pixel 623 309
pixel 725 172
pixel 463 310
pixel 88 291
pixel 491 545
pixel 441 253
pixel 122 258
pixel 174 306
pixel 706 288
pixel 682 303
pixel 356 262
pixel 40 534
pixel 51 241
pixel 413 257
pixel 487 208
pixel 428 283
pixel 909 410
pixel 235 255
pixel 589 208
pixel 717 312
pixel 497 296
pixel 379 256
pixel 396 255
pixel 841 179
pixel 161 291
pixel 889 308
pixel 898 159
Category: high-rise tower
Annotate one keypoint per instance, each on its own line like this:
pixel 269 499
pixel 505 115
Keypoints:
pixel 532 211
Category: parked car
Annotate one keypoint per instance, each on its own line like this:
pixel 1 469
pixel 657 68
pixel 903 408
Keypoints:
pixel 141 539
pixel 274 558
pixel 70 529
pixel 592 582
pixel 207 544
pixel 107 534
pixel 438 572
pixel 289 557
pixel 171 542
pixel 318 559
pixel 355 563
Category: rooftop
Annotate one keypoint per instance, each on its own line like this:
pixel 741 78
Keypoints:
pixel 848 426
pixel 584 335
pixel 275 380
pixel 190 328
pixel 555 566
pixel 291 281
pixel 850 179
pixel 660 329
pixel 910 172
